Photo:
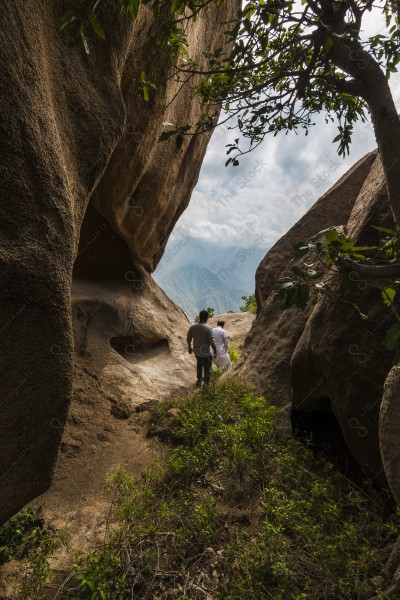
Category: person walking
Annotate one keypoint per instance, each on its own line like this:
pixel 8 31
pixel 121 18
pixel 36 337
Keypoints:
pixel 221 341
pixel 203 340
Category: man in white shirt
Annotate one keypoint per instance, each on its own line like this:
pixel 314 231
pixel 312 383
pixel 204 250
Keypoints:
pixel 221 341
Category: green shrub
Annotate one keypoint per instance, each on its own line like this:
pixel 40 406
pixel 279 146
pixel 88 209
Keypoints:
pixel 13 535
pixel 234 353
pixel 25 538
pixel 250 304
pixel 238 511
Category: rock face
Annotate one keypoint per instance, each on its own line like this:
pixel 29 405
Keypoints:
pixel 327 358
pixel 270 344
pixel 389 431
pixel 332 209
pixel 82 177
pixel 237 326
pixel 345 352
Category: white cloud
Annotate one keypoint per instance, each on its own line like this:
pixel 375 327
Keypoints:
pixel 274 185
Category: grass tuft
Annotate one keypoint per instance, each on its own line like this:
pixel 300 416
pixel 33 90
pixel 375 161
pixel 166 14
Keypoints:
pixel 24 538
pixel 235 512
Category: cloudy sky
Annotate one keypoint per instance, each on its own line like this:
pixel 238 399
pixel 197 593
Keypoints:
pixel 274 185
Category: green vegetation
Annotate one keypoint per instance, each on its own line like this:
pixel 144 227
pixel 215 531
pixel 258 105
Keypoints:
pixel 24 538
pixel 250 304
pixel 210 314
pixel 330 254
pixel 237 511
pixel 234 353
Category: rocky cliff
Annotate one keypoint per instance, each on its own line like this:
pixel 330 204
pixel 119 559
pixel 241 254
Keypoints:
pixel 88 201
pixel 326 361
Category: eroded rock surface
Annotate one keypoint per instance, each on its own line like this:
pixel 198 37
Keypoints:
pixel 327 359
pixel 332 209
pixel 269 346
pixel 76 131
pixel 237 326
pixel 346 353
pixel 389 431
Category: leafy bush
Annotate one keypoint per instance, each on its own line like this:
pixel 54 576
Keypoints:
pixel 237 511
pixel 250 304
pixel 210 311
pixel 234 353
pixel 24 537
pixel 343 270
pixel 13 534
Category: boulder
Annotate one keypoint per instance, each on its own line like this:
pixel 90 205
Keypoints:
pixel 340 363
pixel 332 209
pixel 269 346
pixel 237 325
pixel 327 360
pixel 389 433
pixel 83 178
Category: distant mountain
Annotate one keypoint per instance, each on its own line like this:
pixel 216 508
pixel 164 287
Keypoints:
pixel 193 288
pixel 197 274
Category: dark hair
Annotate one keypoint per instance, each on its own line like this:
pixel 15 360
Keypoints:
pixel 203 315
pixel 220 323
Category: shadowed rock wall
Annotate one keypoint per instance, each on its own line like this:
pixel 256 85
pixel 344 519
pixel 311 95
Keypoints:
pixel 75 128
pixel 270 344
pixel 327 358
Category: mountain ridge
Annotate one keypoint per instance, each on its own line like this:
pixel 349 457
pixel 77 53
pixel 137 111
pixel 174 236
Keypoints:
pixel 197 274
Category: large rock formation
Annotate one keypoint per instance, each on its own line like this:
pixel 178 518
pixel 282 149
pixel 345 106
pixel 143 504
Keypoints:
pixel 332 209
pixel 76 132
pixel 345 352
pixel 327 359
pixel 269 347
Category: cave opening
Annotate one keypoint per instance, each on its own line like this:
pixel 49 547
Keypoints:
pixel 320 431
pixel 102 254
pixel 134 351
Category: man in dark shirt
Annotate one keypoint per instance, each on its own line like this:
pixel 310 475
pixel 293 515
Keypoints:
pixel 203 339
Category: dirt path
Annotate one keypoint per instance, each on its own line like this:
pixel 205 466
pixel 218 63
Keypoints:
pixel 101 434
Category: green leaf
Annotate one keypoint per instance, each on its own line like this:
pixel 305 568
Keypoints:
pixel 166 135
pixel 285 283
pixel 388 296
pixel 392 336
pixel 331 236
pixel 85 41
pixel 146 94
pixel 300 273
pixel 96 25
pixel 384 230
pixel 313 274
pixel 364 248
pixel 66 19
pixel 303 296
pixel 325 289
pixel 357 256
pixel 134 8
pixel 300 249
